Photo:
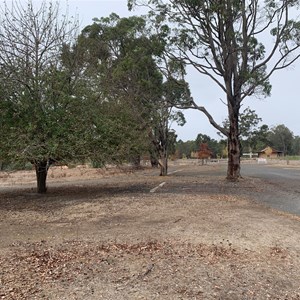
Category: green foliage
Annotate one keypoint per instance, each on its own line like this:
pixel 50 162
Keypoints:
pixel 50 127
pixel 281 138
pixel 248 128
pixel 39 107
pixel 292 157
pixel 185 149
pixel 223 40
pixel 296 146
pixel 259 139
pixel 248 121
pixel 116 135
pixel 130 75
pixel 99 100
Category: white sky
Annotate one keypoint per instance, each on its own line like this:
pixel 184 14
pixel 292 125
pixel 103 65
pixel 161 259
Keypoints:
pixel 283 107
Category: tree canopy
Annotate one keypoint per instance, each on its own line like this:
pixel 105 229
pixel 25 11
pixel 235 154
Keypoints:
pixel 100 96
pixel 131 71
pixel 38 105
pixel 223 40
pixel 281 138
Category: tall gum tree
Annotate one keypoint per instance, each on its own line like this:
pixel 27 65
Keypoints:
pixel 40 112
pixel 222 39
pixel 126 58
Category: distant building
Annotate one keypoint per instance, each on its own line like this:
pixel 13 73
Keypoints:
pixel 270 152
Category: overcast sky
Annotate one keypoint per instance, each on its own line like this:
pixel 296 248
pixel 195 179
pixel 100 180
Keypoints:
pixel 283 107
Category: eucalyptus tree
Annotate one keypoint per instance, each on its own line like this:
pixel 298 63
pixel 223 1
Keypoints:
pixel 125 56
pixel 259 138
pixel 281 138
pixel 163 137
pixel 296 146
pixel 237 44
pixel 42 115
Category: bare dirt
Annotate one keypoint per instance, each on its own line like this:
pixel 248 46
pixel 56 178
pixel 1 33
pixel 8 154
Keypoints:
pixel 108 234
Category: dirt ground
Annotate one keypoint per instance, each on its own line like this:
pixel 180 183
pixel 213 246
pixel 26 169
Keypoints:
pixel 122 234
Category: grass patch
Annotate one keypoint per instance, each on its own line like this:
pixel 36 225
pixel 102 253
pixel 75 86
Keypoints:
pixel 292 157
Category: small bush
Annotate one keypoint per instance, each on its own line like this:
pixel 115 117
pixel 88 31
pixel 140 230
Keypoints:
pixel 15 166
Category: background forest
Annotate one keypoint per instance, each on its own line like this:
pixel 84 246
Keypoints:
pixel 278 137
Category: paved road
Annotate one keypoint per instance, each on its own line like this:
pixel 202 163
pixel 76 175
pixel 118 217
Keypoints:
pixel 274 173
pixel 282 185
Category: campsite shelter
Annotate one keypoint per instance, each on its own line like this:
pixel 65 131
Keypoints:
pixel 270 152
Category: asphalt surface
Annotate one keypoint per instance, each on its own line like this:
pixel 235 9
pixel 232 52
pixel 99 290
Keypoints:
pixel 279 186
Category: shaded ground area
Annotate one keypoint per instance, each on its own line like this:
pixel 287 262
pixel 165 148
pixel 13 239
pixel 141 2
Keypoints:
pixel 104 235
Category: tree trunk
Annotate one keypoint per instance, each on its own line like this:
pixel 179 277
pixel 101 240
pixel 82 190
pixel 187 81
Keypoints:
pixel 41 169
pixel 136 161
pixel 163 163
pixel 153 160
pixel 234 148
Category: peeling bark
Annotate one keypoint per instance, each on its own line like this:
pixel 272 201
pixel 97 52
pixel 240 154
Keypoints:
pixel 234 145
pixel 234 154
pixel 163 163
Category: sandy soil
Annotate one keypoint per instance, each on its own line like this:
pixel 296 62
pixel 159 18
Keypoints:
pixel 108 234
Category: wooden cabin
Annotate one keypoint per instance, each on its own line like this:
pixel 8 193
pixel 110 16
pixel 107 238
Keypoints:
pixel 270 152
